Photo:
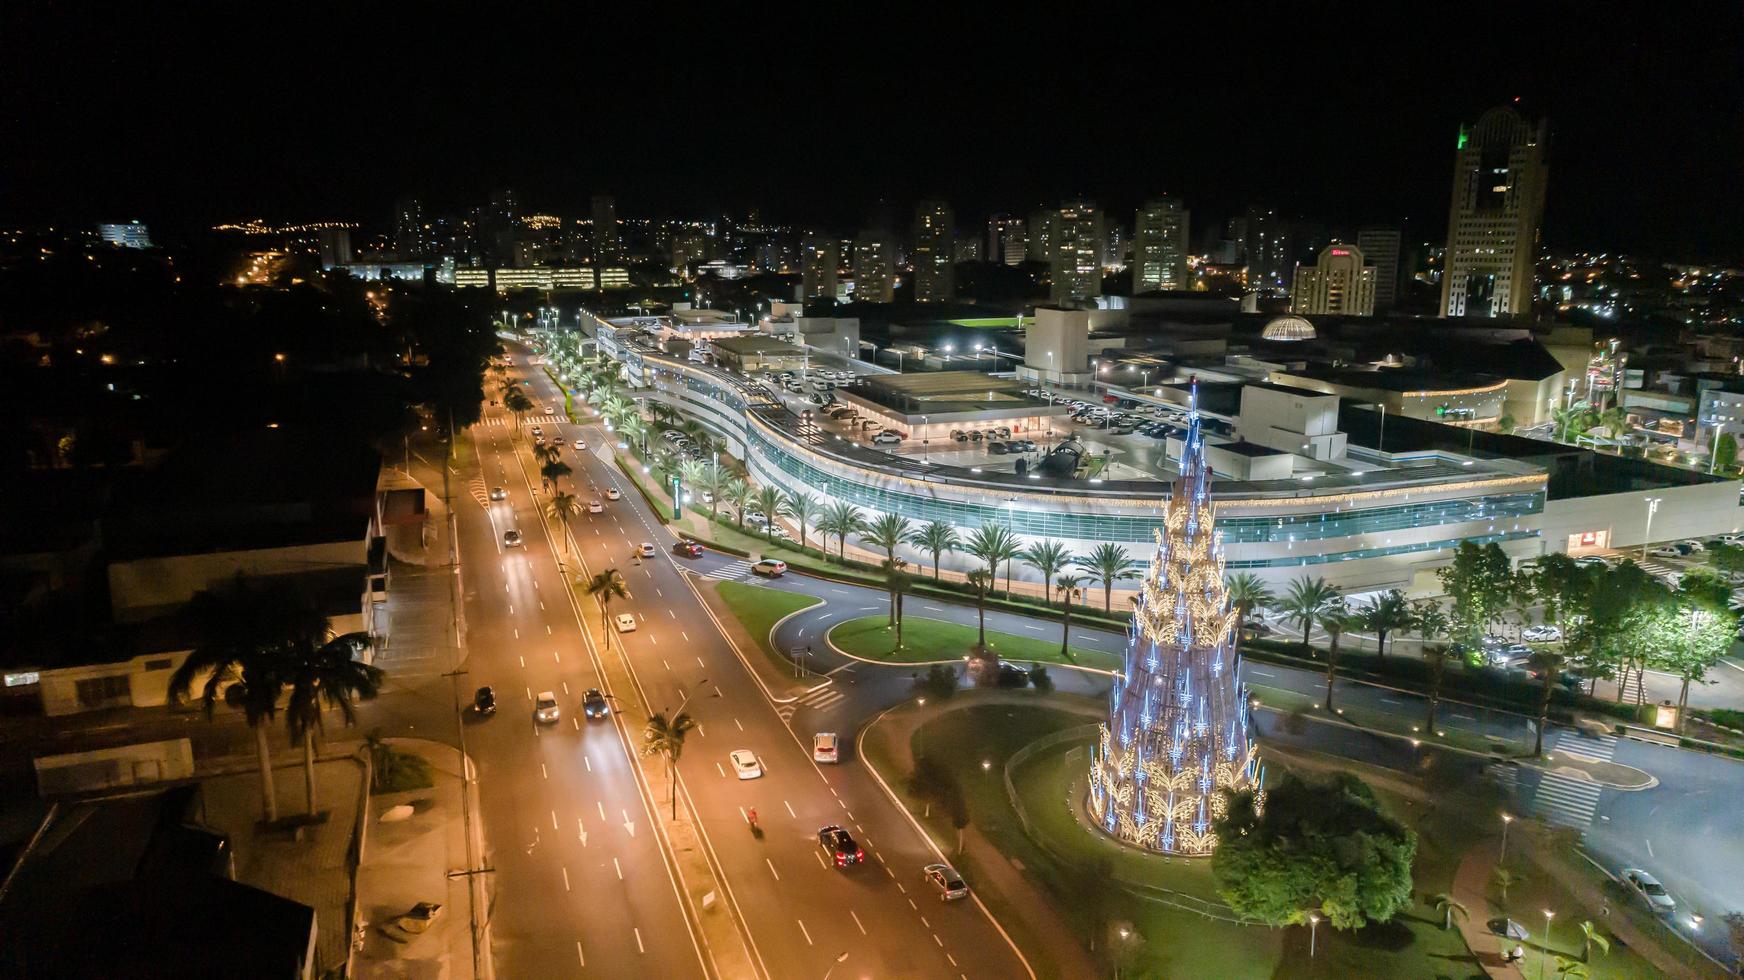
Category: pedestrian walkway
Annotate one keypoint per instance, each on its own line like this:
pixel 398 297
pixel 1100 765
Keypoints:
pixel 532 420
pixel 733 571
pixel 823 699
pixel 1558 799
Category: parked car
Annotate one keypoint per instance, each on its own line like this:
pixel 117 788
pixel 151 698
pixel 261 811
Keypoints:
pixel 550 411
pixel 770 567
pixel 1691 546
pixel 545 708
pixel 823 747
pixel 887 438
pixel 625 622
pixel 745 764
pixel 945 880
pixel 1648 889
pixel 839 844
pixel 1666 551
pixel 998 448
pixel 580 444
pixel 1541 634
pixel 593 704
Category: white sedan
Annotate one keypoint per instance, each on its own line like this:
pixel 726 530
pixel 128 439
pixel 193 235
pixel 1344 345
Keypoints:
pixel 1541 634
pixel 1649 888
pixel 745 763
pixel 595 507
pixel 580 444
pixel 613 493
pixel 626 623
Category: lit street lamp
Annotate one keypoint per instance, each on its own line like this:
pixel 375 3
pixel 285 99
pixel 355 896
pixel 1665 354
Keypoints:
pixel 1313 928
pixel 1544 947
pixel 1647 535
pixel 1506 820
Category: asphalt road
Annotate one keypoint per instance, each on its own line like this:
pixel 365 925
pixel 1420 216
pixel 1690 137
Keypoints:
pixel 800 912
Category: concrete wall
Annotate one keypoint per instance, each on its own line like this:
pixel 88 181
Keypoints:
pixel 1684 512
pixel 1291 421
pixel 147 587
pixel 1063 334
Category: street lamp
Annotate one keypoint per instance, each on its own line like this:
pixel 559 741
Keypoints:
pixel 1507 818
pixel 839 961
pixel 1313 929
pixel 1647 535
pixel 1544 947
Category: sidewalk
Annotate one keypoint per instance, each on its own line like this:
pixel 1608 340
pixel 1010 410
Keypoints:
pixel 406 861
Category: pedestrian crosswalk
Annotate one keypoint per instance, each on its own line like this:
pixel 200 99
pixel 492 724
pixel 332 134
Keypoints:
pixel 531 420
pixel 1559 799
pixel 730 572
pixel 823 699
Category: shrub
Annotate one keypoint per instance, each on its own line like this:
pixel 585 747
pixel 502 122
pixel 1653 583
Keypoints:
pixel 940 682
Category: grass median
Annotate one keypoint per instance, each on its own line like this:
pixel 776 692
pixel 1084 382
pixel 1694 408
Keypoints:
pixel 759 609
pixel 925 640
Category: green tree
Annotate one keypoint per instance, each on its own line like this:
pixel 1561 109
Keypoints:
pixel 886 533
pixel 934 783
pixel 1106 564
pixel 1384 614
pixel 1307 600
pixel 1046 556
pixel 1431 623
pixel 516 401
pixel 980 580
pixel 552 471
pixel 606 586
pixel 666 738
pixel 1505 879
pixel 713 480
pixel 1318 846
pixel 1694 631
pixel 738 493
pixel 1590 937
pixel 1336 620
pixel 935 538
pixel 773 503
pixel 321 676
pixel 1067 586
pixel 1247 592
pixel 549 453
pixel 1478 581
pixel 563 506
pixel 993 544
pixel 841 519
pixel 896 582
pixel 1549 666
pixel 939 682
pixel 1725 453
pixel 803 508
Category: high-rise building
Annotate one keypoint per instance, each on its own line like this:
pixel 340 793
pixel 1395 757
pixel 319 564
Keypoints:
pixel 131 234
pixel 1159 246
pixel 1077 240
pixel 335 247
pixel 605 227
pixel 874 268
pixel 967 249
pixel 818 259
pixel 1500 171
pixel 1339 283
pixel 498 224
pixel 411 237
pixel 1178 732
pixel 1007 238
pixel 1038 245
pixel 1380 248
pixel 935 261
pixel 1270 250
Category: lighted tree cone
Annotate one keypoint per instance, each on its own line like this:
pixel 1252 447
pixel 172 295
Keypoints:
pixel 1178 731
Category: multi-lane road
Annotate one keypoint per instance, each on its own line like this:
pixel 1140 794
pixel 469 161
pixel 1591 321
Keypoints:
pixel 581 881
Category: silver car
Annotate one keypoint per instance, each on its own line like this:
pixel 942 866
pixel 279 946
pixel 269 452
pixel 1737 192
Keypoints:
pixel 1649 888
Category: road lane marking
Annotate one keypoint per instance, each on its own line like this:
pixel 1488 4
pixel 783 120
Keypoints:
pixel 953 959
pixel 547 631
pixel 699 663
pixel 901 889
pixel 685 635
pixel 547 775
pixel 912 905
pixel 820 858
pixel 517 633
pixel 790 809
pixel 511 609
pixel 669 612
pixel 602 809
pixel 700 732
pixel 618 868
pixel 523 662
pixel 935 935
pixel 542 606
pixel 666 662
pixel 718 769
pixel 559 658
pixel 578 955
pixel 857 922
pixel 924 922
pixel 639 947
pixel 735 720
pixel 772 870
pixel 565 877
pixel 553 819
pixel 1027 626
pixel 584 759
pixel 566 691
pixel 807 932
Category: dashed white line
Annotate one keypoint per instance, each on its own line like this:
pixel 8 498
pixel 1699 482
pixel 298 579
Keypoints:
pixel 578 955
pixel 542 772
pixel 790 809
pixel 820 858
pixel 641 949
pixel 720 770
pixel 806 931
pixel 772 870
pixel 553 819
pixel 565 878
pixel 602 809
pixel 857 922
pixel 618 868
pixel 585 760
pixel 937 940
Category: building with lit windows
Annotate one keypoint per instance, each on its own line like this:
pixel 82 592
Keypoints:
pixel 132 234
pixel 1159 246
pixel 1340 283
pixel 1270 246
pixel 934 257
pixel 819 260
pixel 1500 170
pixel 1076 239
pixel 605 228
pixel 874 268
pixel 1007 239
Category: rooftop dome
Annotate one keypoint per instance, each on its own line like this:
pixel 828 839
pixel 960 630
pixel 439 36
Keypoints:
pixel 1288 328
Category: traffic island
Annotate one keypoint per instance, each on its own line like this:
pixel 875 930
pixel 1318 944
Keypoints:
pixel 932 641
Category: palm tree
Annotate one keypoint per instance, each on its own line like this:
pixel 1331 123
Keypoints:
pixel 691 473
pixel 841 519
pixel 553 471
pixel 888 531
pixel 773 503
pixel 1385 613
pixel 1247 592
pixel 660 412
pixel 935 538
pixel 897 582
pixel 1108 563
pixel 563 506
pixel 516 401
pixel 635 432
pixel 606 586
pixel 992 543
pixel 547 454
pixel 1449 907
pixel 738 493
pixel 1048 557
pixel 714 483
pixel 325 676
pixel 1505 880
pixel 1590 937
pixel 980 580
pixel 1066 585
pixel 1430 621
pixel 802 507
pixel 1307 600
pixel 666 738
pixel 1336 619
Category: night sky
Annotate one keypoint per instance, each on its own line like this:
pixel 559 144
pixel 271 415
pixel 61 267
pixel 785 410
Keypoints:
pixel 830 113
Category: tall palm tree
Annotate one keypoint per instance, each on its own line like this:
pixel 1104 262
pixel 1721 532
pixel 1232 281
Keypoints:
pixel 547 454
pixel 935 538
pixel 1430 622
pixel 323 676
pixel 516 401
pixel 885 533
pixel 1046 556
pixel 241 632
pixel 715 482
pixel 802 507
pixel 773 503
pixel 841 519
pixel 1106 564
pixel 1386 613
pixel 981 580
pixel 738 493
pixel 635 432
pixel 661 413
pixel 563 506
pixel 1335 620
pixel 666 738
pixel 554 470
pixel 992 543
pixel 692 473
pixel 606 586
pixel 1066 585
pixel 1247 592
pixel 897 582
pixel 1306 601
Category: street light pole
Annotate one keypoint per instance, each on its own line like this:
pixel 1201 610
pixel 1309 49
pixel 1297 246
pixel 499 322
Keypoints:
pixel 1544 947
pixel 1647 535
pixel 1506 820
pixel 1313 930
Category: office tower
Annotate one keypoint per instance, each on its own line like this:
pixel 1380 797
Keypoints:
pixel 410 238
pixel 874 268
pixel 689 248
pixel 1159 246
pixel 1269 249
pixel 1077 240
pixel 335 246
pixel 1038 246
pixel 1380 248
pixel 1114 247
pixel 1499 175
pixel 967 249
pixel 131 234
pixel 1007 239
pixel 1177 733
pixel 818 259
pixel 935 260
pixel 605 227
pixel 497 227
pixel 1339 283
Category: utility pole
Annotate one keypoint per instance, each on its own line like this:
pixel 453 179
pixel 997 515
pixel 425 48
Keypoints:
pixel 454 682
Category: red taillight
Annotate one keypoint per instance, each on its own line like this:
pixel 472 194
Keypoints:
pixel 841 859
pixel 859 855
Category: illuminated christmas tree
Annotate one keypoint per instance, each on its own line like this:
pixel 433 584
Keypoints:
pixel 1177 730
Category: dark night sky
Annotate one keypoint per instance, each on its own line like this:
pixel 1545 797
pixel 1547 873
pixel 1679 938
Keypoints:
pixel 1340 112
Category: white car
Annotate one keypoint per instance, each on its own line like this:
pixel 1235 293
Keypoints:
pixel 1649 888
pixel 538 431
pixel 1666 551
pixel 580 444
pixel 646 550
pixel 886 439
pixel 625 622
pixel 745 763
pixel 498 493
pixel 545 708
pixel 824 747
pixel 771 567
pixel 613 493
pixel 595 507
pixel 550 411
pixel 1541 634
pixel 1691 546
